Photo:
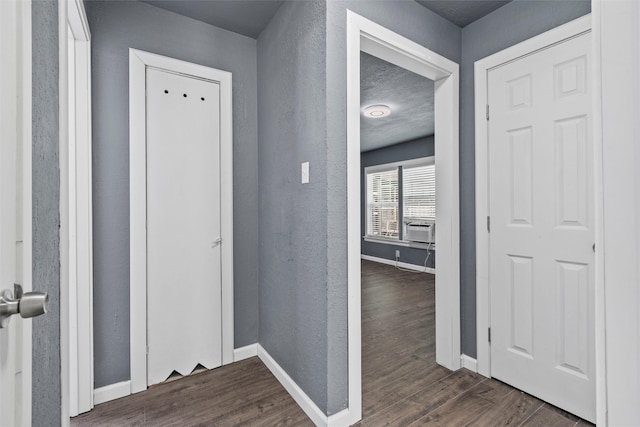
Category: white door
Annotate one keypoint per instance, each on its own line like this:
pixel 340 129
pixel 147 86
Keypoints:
pixel 184 320
pixel 15 238
pixel 542 226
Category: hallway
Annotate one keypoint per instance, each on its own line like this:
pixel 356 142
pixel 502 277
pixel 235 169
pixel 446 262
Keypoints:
pixel 402 384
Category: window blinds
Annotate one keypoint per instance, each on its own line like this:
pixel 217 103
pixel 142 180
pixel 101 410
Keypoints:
pixel 382 204
pixel 419 192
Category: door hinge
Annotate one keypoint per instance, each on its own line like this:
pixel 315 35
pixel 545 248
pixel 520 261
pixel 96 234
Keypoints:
pixel 489 334
pixel 487 112
pixel 488 224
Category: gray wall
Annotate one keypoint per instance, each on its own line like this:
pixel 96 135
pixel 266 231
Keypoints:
pixel 115 27
pixel 415 149
pixel 46 398
pixel 301 99
pixel 509 25
pixel 293 216
pixel 422 26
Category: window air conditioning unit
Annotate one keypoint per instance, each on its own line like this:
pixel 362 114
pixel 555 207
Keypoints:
pixel 422 232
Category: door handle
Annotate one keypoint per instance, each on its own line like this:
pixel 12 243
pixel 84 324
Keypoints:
pixel 216 242
pixel 30 304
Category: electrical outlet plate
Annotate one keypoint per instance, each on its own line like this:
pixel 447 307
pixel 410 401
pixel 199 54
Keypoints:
pixel 305 172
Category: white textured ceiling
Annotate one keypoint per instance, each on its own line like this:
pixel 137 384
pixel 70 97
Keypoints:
pixel 409 95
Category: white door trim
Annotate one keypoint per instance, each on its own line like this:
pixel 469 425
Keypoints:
pixel 365 35
pixel 138 62
pixel 617 133
pixel 78 196
pixel 482 67
pixel 64 234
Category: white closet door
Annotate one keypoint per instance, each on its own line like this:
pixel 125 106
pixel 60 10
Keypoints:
pixel 184 323
pixel 542 226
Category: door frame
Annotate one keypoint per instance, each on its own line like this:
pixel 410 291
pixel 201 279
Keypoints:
pixel 21 47
pixel 76 232
pixel 370 37
pixel 138 63
pixel 554 36
pixel 617 106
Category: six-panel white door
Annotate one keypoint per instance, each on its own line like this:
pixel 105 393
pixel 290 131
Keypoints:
pixel 184 320
pixel 542 226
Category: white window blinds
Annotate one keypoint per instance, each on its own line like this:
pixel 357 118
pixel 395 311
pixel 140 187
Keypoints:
pixel 382 204
pixel 419 192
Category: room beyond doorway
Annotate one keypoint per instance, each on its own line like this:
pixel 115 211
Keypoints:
pixel 369 37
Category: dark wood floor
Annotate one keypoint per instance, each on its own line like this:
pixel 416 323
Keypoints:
pixel 402 385
pixel 243 393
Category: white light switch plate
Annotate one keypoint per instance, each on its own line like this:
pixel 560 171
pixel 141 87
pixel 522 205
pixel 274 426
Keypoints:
pixel 305 172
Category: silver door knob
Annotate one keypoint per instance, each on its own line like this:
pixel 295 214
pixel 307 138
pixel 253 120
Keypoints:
pixel 30 304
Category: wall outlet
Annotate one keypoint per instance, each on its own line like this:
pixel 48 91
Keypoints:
pixel 397 253
pixel 304 172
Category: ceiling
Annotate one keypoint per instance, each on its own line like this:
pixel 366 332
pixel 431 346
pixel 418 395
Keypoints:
pixel 246 17
pixel 462 12
pixel 409 95
pixel 250 17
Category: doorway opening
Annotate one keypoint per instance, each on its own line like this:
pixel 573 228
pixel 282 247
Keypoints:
pixel 398 224
pixel 374 40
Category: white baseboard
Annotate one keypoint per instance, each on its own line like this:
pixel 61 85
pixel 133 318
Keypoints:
pixel 400 264
pixel 111 392
pixel 341 419
pixel 469 362
pixel 245 352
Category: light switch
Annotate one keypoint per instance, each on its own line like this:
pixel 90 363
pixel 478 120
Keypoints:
pixel 305 172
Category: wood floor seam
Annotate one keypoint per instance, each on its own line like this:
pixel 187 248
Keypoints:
pixel 532 414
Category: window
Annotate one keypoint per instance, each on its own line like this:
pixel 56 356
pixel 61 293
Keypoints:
pixel 410 185
pixel 419 193
pixel 382 204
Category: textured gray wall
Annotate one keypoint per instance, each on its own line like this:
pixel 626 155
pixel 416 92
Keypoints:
pixel 115 27
pixel 509 25
pixel 46 396
pixel 422 26
pixel 415 149
pixel 302 88
pixel 293 216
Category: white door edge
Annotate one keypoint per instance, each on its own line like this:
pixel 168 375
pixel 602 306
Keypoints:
pixel 138 62
pixel 482 67
pixel 18 62
pixel 365 35
pixel 27 188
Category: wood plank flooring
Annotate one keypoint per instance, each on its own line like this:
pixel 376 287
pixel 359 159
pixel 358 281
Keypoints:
pixel 243 393
pixel 402 385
